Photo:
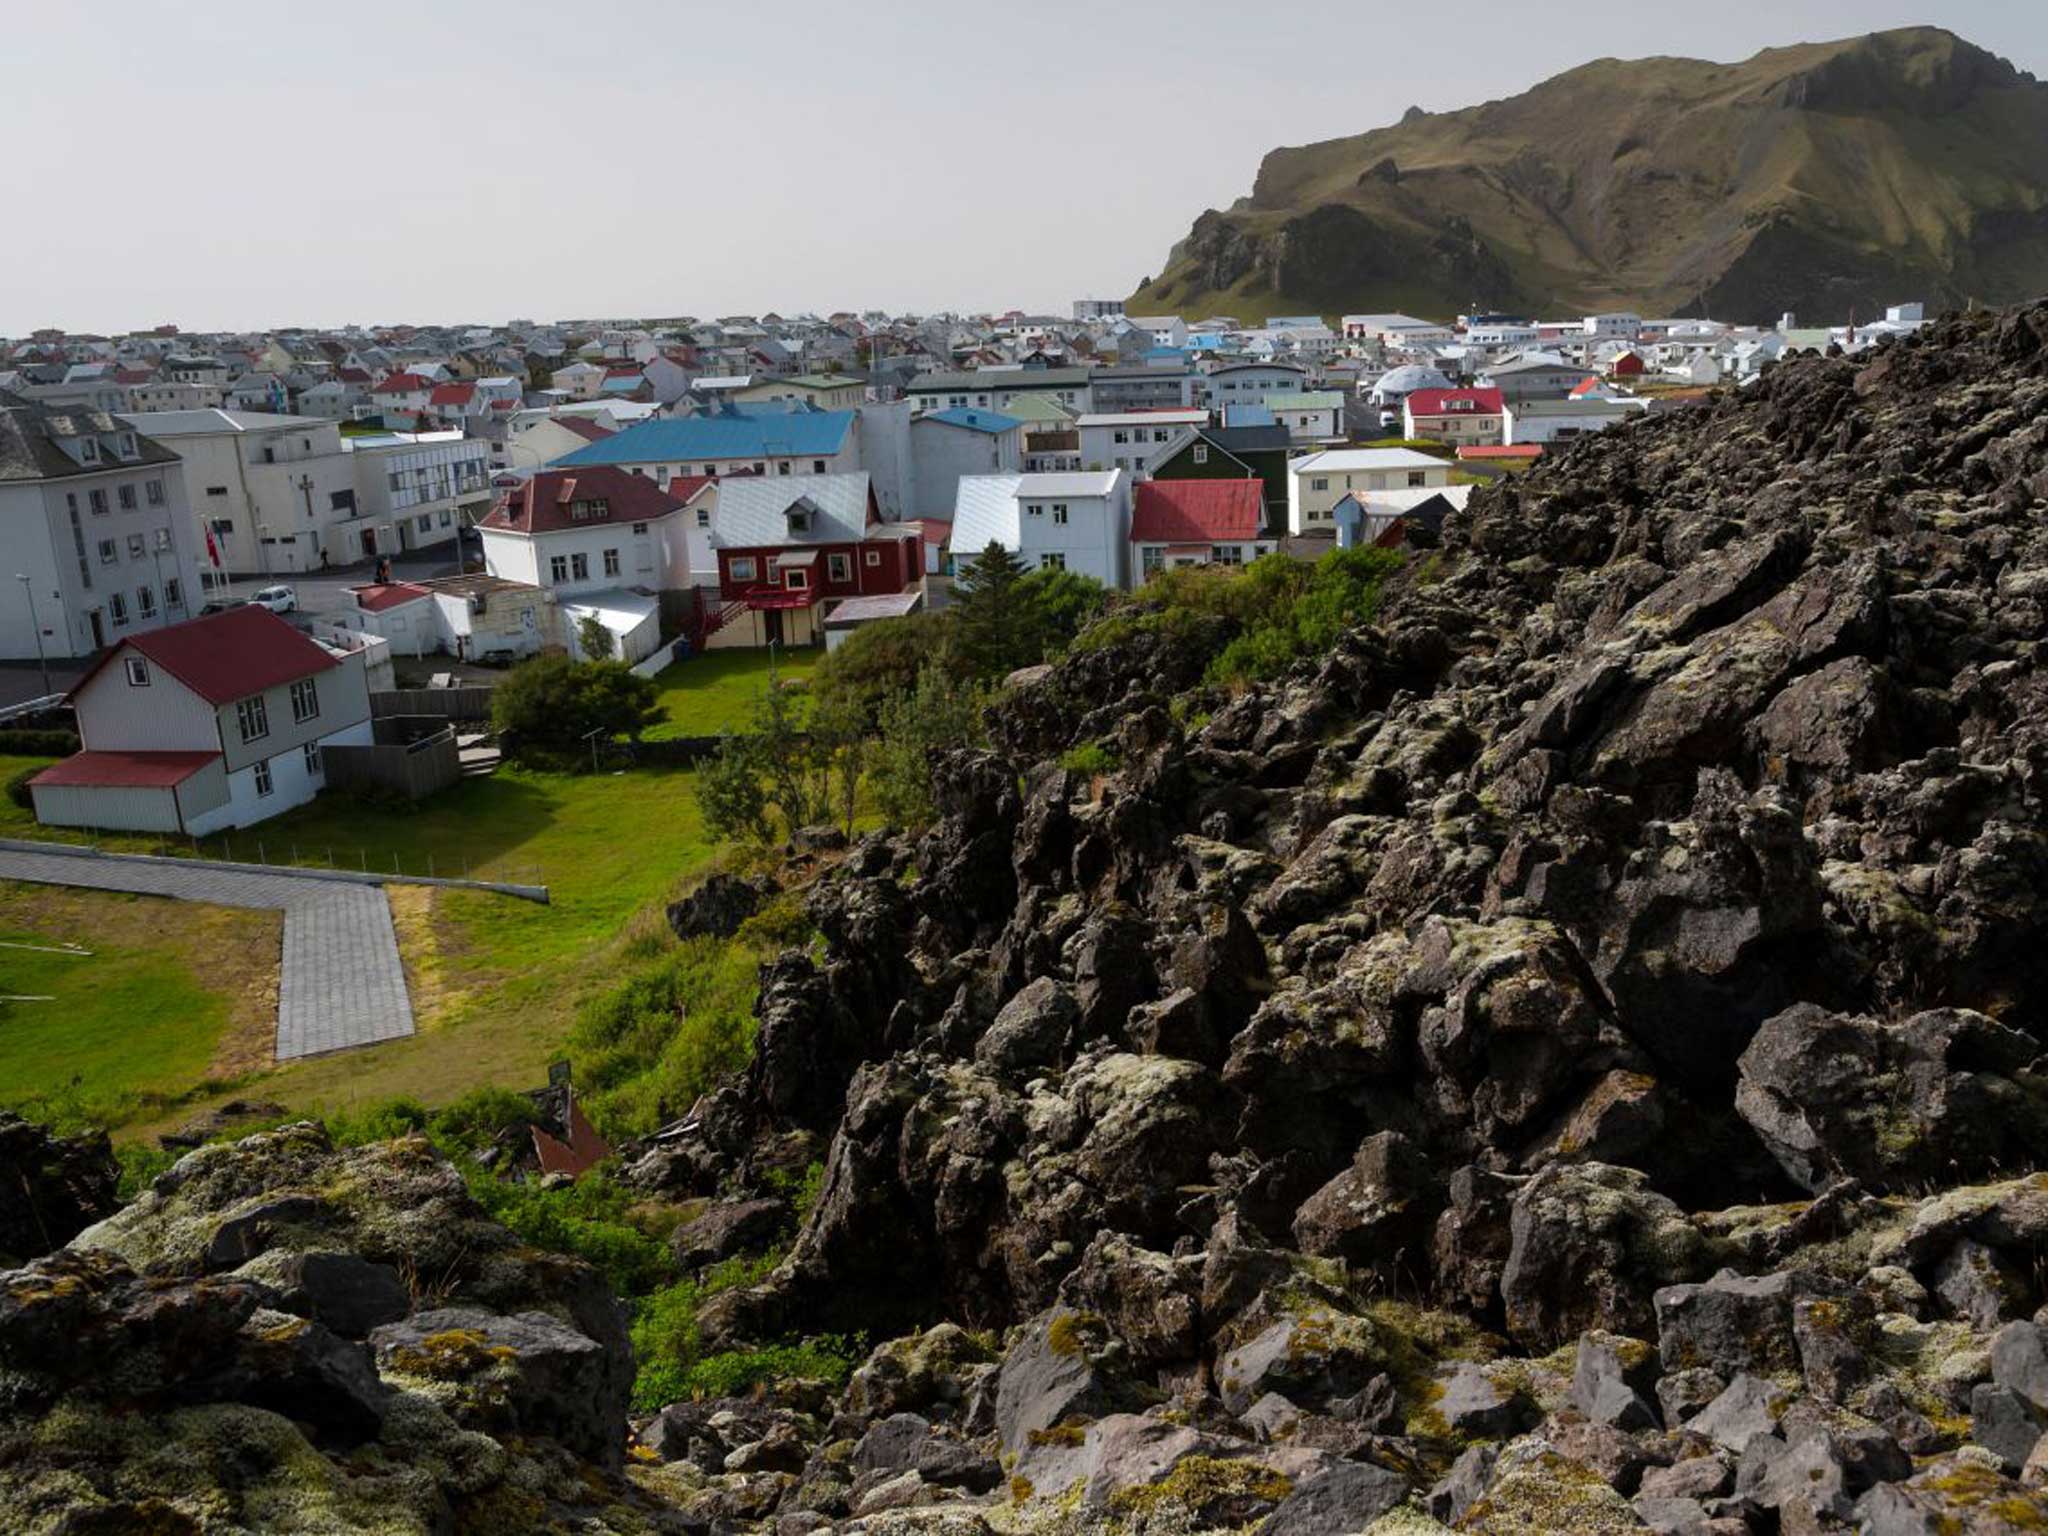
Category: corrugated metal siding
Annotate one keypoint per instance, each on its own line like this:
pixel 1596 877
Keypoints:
pixel 116 716
pixel 114 810
pixel 344 701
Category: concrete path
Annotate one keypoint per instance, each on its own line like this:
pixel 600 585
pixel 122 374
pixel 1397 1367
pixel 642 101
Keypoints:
pixel 340 983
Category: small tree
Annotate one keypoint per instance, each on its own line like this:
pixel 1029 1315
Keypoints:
pixel 994 621
pixel 943 711
pixel 553 702
pixel 729 790
pixel 1060 602
pixel 594 639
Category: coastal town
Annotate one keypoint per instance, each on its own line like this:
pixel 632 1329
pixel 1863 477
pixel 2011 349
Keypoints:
pixel 796 475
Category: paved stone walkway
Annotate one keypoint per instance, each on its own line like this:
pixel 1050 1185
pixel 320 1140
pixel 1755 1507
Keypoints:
pixel 340 983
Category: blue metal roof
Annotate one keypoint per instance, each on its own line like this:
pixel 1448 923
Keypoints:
pixel 818 433
pixel 991 422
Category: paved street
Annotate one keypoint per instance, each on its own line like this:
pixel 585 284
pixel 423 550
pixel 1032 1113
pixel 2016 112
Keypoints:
pixel 326 592
pixel 340 983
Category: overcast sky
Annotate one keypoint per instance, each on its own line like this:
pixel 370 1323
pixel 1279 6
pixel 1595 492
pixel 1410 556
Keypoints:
pixel 228 165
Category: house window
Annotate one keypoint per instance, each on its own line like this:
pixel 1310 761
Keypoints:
pixel 117 605
pixel 874 557
pixel 1119 436
pixel 817 466
pixel 88 450
pixel 579 566
pixel 145 601
pixel 782 467
pixel 446 517
pixel 638 529
pixel 558 568
pixel 263 785
pixel 1201 453
pixel 703 517
pixel 153 492
pixel 221 490
pixel 125 494
pixel 1033 509
pixel 138 672
pixel 1227 554
pixel 839 567
pixel 797 579
pixel 1417 477
pixel 341 501
pixel 425 523
pixel 135 546
pixel 252 719
pixel 311 750
pixel 109 552
pixel 1052 561
pixel 611 562
pixel 742 568
pixel 174 597
pixel 98 498
pixel 1319 483
pixel 1059 512
pixel 305 701
pixel 1150 558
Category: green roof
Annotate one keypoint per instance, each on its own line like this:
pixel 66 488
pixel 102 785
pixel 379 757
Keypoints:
pixel 1036 408
pixel 1313 400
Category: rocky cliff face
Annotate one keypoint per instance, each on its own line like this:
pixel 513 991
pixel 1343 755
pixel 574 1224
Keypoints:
pixel 1669 185
pixel 1566 1060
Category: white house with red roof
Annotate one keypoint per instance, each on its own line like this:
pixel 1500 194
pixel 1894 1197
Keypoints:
pixel 1197 522
pixel 204 726
pixel 601 541
pixel 472 617
pixel 1455 416
pixel 402 393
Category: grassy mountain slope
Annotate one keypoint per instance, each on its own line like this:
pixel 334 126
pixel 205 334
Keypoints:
pixel 1904 164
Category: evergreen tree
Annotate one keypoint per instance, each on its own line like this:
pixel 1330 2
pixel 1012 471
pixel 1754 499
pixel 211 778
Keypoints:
pixel 997 627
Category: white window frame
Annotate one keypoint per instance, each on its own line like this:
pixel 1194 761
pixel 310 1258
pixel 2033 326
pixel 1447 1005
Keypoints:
pixel 839 567
pixel 252 718
pixel 742 568
pixel 260 774
pixel 314 770
pixel 305 700
pixel 874 557
pixel 138 672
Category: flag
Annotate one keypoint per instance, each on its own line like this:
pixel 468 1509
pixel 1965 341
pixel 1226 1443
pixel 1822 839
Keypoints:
pixel 212 553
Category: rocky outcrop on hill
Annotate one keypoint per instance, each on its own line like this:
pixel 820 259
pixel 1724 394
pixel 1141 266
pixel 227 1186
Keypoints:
pixel 51 1188
pixel 1566 1058
pixel 279 1335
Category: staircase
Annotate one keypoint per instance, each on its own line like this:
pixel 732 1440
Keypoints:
pixel 477 754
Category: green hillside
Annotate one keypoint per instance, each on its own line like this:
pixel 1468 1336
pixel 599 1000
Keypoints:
pixel 1816 178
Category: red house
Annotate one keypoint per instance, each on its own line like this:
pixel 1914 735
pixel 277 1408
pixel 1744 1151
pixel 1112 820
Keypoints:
pixel 1628 365
pixel 790 547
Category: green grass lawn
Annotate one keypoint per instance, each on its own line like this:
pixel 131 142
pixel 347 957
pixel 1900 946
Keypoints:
pixel 166 996
pixel 716 692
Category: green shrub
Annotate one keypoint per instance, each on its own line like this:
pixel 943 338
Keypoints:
pixel 586 1218
pixel 1091 758
pixel 829 1358
pixel 27 743
pixel 18 790
pixel 645 1049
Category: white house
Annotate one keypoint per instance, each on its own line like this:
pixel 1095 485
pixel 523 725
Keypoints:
pixel 1197 522
pixel 472 617
pixel 207 725
pixel 944 445
pixel 415 490
pixel 1395 330
pixel 1310 416
pixel 1133 440
pixel 1316 482
pixel 994 388
pixel 1233 383
pixel 1159 330
pixel 600 540
pixel 1551 421
pixel 1076 522
pixel 94 515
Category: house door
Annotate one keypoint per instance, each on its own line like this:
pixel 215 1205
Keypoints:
pixel 99 631
pixel 369 543
pixel 774 626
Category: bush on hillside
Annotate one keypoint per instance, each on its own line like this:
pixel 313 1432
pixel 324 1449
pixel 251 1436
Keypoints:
pixel 552 702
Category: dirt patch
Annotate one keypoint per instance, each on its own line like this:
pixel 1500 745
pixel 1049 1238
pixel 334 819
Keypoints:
pixel 437 973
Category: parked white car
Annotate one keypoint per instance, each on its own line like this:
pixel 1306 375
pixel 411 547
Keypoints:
pixel 276 599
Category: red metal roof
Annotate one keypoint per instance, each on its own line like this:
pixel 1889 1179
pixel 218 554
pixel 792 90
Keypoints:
pixel 226 656
pixel 1440 402
pixel 1499 451
pixel 451 394
pixel 401 383
pixel 1182 511
pixel 542 504
pixel 378 596
pixel 590 431
pixel 124 770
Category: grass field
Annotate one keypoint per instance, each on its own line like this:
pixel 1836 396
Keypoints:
pixel 716 692
pixel 495 981
pixel 168 995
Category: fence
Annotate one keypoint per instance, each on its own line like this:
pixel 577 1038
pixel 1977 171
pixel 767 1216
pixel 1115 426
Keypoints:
pixel 251 854
pixel 48 703
pixel 414 768
pixel 467 703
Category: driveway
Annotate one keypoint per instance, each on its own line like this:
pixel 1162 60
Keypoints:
pixel 340 983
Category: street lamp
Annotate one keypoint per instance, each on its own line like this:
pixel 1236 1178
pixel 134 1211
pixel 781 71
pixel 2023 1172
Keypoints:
pixel 36 624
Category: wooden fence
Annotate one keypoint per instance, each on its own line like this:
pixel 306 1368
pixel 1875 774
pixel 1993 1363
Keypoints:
pixel 414 769
pixel 468 703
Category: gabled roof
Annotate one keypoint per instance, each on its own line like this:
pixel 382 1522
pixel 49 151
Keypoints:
pixel 401 384
pixel 380 596
pixel 1196 511
pixel 543 504
pixel 711 437
pixel 226 656
pixel 584 427
pixel 753 510
pixel 1440 402
pixel 452 394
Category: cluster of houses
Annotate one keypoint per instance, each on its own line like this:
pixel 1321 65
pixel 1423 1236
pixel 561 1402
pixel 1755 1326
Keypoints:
pixel 708 484
pixel 741 480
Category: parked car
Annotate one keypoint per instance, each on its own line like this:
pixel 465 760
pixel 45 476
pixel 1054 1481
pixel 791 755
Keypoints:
pixel 215 605
pixel 276 599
